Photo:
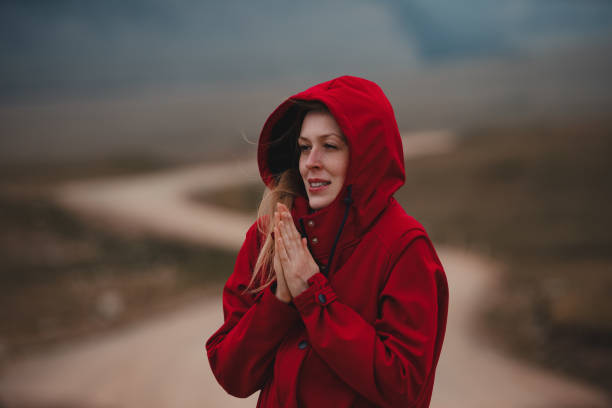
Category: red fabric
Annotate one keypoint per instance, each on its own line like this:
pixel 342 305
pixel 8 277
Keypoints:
pixel 371 331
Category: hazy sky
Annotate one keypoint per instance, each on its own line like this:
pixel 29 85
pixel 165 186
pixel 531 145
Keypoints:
pixel 72 46
pixel 83 79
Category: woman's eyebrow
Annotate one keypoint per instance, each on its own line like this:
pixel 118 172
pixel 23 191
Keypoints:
pixel 323 136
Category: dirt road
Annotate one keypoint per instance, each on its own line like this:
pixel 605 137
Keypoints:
pixel 162 363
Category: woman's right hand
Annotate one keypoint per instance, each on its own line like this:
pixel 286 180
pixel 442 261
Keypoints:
pixel 282 290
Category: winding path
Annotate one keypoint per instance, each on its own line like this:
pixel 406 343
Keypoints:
pixel 161 362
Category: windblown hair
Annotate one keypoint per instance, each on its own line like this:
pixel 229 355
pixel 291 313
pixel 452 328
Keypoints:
pixel 288 184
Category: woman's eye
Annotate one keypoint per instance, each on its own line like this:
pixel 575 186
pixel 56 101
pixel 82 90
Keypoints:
pixel 303 148
pixel 330 146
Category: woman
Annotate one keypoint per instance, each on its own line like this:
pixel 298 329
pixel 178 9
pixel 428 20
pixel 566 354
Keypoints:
pixel 337 298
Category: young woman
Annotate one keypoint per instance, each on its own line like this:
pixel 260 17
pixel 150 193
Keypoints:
pixel 338 298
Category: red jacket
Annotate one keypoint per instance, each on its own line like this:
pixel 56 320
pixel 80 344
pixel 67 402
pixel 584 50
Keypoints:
pixel 369 329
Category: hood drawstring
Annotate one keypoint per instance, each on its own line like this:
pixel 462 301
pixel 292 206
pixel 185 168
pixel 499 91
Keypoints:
pixel 302 229
pixel 348 200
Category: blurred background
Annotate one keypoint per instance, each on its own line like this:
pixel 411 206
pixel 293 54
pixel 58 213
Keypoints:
pixel 99 92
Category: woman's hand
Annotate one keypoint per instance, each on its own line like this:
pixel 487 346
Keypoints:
pixel 295 258
pixel 282 291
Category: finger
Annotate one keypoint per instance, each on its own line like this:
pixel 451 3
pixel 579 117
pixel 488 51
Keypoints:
pixel 305 245
pixel 277 233
pixel 291 232
pixel 278 267
pixel 282 210
pixel 288 218
pixel 281 230
pixel 284 230
pixel 281 283
pixel 288 240
pixel 280 273
pixel 277 220
pixel 305 249
pixel 282 207
pixel 282 253
pixel 282 235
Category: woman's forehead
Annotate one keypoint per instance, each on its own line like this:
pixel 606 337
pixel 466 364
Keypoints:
pixel 320 124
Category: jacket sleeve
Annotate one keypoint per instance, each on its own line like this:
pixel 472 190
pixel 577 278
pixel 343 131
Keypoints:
pixel 241 353
pixel 389 362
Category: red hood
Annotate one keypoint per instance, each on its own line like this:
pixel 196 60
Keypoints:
pixel 376 164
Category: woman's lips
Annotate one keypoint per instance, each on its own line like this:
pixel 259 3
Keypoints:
pixel 317 185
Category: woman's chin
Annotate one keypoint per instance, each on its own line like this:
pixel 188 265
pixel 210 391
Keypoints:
pixel 317 203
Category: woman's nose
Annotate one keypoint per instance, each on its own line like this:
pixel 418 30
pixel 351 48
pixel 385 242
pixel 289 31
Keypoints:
pixel 314 158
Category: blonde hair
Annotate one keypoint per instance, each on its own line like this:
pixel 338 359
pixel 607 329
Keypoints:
pixel 285 191
pixel 288 185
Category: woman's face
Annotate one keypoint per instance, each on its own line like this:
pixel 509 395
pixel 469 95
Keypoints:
pixel 324 157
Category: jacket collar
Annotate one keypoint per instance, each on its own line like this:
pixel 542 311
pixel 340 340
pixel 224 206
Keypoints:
pixel 329 229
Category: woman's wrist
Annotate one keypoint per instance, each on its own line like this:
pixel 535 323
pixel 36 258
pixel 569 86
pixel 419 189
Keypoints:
pixel 297 287
pixel 285 298
pixel 281 294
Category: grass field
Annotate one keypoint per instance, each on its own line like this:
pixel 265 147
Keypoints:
pixel 62 277
pixel 536 198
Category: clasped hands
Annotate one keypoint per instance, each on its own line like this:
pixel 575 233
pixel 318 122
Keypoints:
pixel 293 263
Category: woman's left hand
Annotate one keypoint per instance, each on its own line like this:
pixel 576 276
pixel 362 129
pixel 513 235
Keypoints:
pixel 297 262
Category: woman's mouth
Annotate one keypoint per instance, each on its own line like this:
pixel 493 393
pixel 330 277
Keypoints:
pixel 316 185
